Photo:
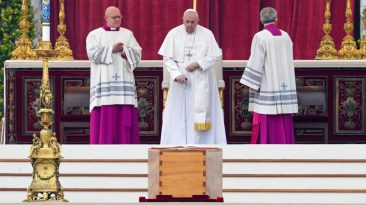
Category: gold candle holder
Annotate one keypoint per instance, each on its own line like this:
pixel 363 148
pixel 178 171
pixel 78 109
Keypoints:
pixel 62 44
pixel 45 152
pixel 349 46
pixel 327 49
pixel 23 49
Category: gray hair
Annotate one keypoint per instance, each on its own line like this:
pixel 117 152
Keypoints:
pixel 268 15
pixel 190 11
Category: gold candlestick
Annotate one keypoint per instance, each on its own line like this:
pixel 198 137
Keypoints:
pixel 23 49
pixel 327 49
pixel 349 47
pixel 45 151
pixel 62 44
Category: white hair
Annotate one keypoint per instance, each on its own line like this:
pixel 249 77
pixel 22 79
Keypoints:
pixel 268 15
pixel 190 11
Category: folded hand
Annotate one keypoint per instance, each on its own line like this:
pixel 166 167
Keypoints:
pixel 192 66
pixel 118 47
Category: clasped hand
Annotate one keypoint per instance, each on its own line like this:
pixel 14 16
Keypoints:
pixel 192 66
pixel 118 47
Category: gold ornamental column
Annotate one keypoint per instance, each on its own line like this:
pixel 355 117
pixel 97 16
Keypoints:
pixel 349 47
pixel 327 49
pixel 45 152
pixel 23 49
pixel 62 44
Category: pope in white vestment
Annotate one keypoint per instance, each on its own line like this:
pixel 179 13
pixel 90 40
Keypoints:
pixel 193 113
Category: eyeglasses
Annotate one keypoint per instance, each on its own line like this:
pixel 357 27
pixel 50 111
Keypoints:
pixel 115 17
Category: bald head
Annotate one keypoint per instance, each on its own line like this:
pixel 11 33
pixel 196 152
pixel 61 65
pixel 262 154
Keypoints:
pixel 111 10
pixel 190 20
pixel 113 17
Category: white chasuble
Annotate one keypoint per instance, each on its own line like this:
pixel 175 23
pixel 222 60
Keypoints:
pixel 193 113
pixel 112 81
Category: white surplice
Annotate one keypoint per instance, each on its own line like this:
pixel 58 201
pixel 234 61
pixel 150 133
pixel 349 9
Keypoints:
pixel 112 81
pixel 198 99
pixel 270 74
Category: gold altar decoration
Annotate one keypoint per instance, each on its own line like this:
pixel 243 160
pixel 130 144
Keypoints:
pixel 62 44
pixel 349 47
pixel 23 49
pixel 45 152
pixel 327 49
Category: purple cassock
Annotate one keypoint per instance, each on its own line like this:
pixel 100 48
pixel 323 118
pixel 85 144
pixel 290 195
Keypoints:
pixel 114 124
pixel 273 129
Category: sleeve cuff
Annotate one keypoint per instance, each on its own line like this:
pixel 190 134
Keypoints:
pixel 109 56
pixel 251 85
pixel 175 75
pixel 200 66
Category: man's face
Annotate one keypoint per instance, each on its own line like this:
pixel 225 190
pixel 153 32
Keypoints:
pixel 190 22
pixel 114 18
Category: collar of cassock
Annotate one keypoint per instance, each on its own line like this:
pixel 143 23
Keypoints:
pixel 107 28
pixel 272 27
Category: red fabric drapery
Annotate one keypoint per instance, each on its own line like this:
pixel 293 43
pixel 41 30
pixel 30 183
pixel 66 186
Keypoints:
pixel 233 22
